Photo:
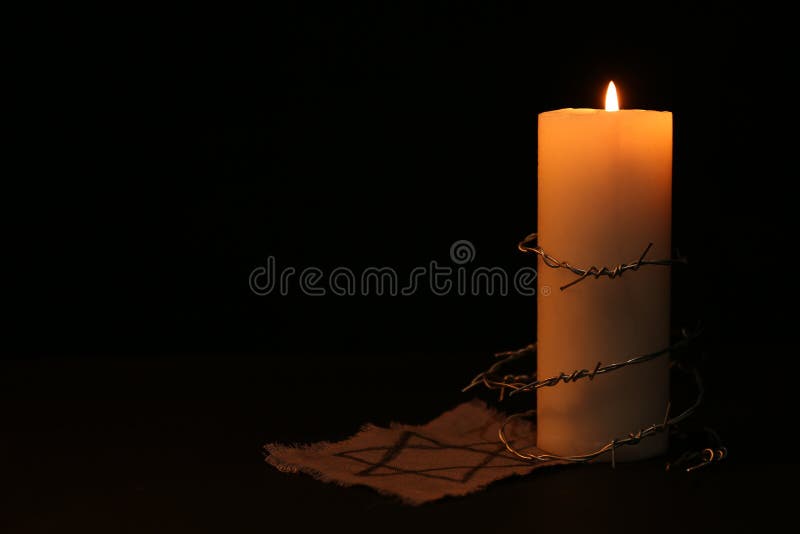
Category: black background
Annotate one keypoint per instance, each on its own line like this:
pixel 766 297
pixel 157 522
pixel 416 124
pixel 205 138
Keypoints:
pixel 164 156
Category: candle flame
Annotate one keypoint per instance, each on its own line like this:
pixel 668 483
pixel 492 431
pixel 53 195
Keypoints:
pixel 612 104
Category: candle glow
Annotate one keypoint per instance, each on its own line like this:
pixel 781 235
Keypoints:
pixel 612 102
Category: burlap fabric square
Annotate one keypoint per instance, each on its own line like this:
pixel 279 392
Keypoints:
pixel 455 454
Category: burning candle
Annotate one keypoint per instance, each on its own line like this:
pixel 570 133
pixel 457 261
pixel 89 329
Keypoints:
pixel 605 193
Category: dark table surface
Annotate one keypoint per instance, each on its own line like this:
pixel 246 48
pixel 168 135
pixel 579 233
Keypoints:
pixel 173 444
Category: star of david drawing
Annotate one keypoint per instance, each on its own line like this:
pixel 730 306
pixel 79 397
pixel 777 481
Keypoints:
pixel 486 452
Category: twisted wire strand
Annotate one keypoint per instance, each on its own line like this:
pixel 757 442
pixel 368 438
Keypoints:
pixel 582 274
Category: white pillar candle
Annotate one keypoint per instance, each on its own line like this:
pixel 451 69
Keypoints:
pixel 605 180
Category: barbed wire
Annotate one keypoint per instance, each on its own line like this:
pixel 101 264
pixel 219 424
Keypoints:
pixel 528 382
pixel 594 271
pixel 632 438
pixel 493 379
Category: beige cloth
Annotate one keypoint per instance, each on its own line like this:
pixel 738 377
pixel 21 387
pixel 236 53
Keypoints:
pixel 455 454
